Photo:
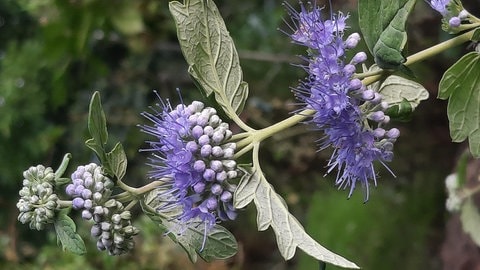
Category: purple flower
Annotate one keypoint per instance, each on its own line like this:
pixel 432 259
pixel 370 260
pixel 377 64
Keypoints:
pixel 347 112
pixel 440 6
pixel 188 154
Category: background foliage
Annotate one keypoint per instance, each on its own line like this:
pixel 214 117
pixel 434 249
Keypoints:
pixel 54 54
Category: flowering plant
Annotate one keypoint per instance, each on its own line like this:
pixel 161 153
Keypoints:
pixel 196 181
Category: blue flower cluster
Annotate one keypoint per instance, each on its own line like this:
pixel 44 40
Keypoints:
pixel 191 152
pixel 350 114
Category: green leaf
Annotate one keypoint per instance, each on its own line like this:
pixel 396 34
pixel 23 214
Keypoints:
pixel 402 95
pixel 461 86
pixel 66 234
pixel 476 35
pixel 210 53
pixel 97 125
pixel 117 160
pixel 272 211
pixel 219 243
pixel 383 28
pixel 471 220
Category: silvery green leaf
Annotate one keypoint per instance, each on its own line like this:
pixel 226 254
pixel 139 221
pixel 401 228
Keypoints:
pixel 97 125
pixel 67 235
pixel 219 242
pixel 461 86
pixel 117 160
pixel 210 53
pixel 471 220
pixel 402 95
pixel 273 212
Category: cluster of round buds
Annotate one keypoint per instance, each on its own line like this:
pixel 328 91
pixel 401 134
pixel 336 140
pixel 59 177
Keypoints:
pixel 191 150
pixel 113 229
pixel 89 188
pixel 37 202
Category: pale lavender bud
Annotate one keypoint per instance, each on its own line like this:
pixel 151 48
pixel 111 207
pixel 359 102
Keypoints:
pixel 203 140
pixel 212 203
pixel 217 151
pixel 217 137
pixel 202 120
pixel 77 203
pixel 216 165
pixel 70 190
pixel 88 204
pixel 199 166
pixel 360 57
pixel 206 150
pixel 216 189
pixel 199 187
pixel 209 174
pixel 379 132
pixel 368 94
pixel 95 231
pixel 226 196
pixel 208 130
pixel 454 22
pixel 197 131
pixel 355 84
pixel 377 116
pixel 191 146
pixel 349 69
pixel 352 41
pixel 86 215
pixel 86 193
pixel 386 120
pixel 393 133
pixel 221 176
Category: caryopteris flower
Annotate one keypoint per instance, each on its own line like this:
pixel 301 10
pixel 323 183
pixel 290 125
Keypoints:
pixel 37 202
pixel 452 12
pixel 190 149
pixel 350 114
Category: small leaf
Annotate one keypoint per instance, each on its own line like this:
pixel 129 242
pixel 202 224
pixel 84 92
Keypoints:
pixel 471 220
pixel 219 244
pixel 461 86
pixel 402 95
pixel 97 125
pixel 273 212
pixel 67 236
pixel 100 152
pixel 476 35
pixel 117 160
pixel 210 53
pixel 383 27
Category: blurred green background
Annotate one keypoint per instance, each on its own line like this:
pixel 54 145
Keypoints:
pixel 55 53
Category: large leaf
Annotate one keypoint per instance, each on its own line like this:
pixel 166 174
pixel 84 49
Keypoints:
pixel 471 220
pixel 402 95
pixel 272 211
pixel 67 235
pixel 218 244
pixel 461 86
pixel 383 28
pixel 210 53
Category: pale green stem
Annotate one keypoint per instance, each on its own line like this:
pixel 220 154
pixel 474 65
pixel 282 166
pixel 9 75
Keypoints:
pixel 141 190
pixel 64 204
pixel 427 53
pixel 131 204
pixel 257 136
pixel 123 197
